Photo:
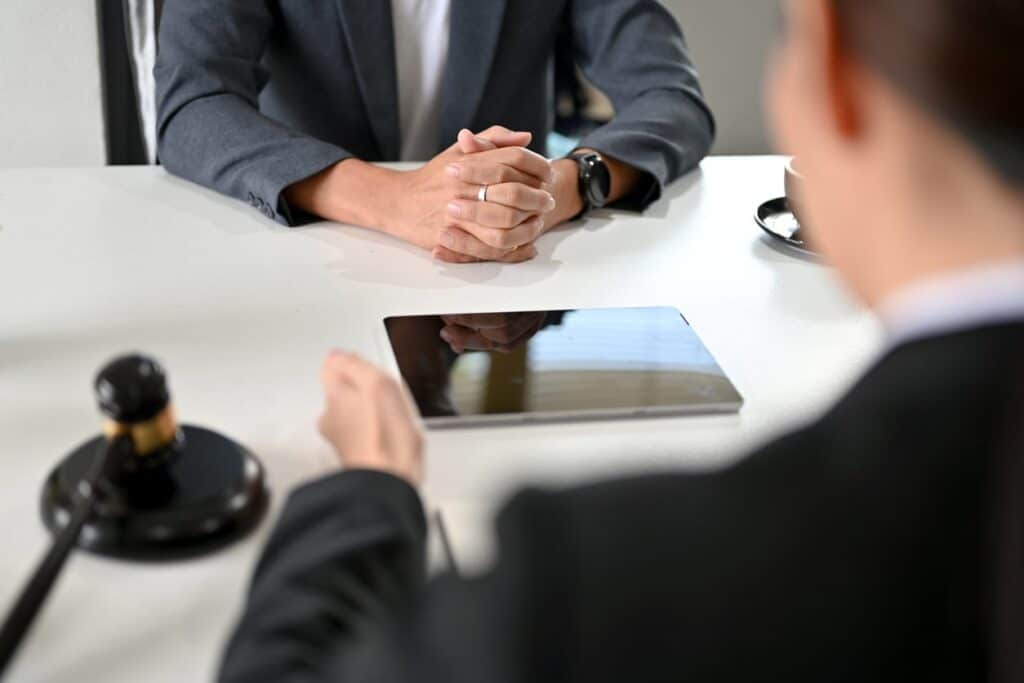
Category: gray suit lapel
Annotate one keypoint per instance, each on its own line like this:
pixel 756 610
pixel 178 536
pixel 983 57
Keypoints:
pixel 371 39
pixel 475 29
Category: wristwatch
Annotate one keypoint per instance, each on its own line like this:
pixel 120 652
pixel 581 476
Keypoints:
pixel 595 181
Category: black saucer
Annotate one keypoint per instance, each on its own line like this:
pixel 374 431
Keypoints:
pixel 205 492
pixel 776 219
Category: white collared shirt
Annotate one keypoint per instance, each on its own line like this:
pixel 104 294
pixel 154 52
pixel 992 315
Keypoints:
pixel 422 29
pixel 956 302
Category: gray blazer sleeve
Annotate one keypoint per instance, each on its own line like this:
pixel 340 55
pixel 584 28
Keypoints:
pixel 634 51
pixel 209 127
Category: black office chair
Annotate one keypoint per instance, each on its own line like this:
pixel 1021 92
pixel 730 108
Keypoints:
pixel 124 121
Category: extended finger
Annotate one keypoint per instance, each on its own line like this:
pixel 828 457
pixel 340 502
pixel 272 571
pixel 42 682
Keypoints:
pixel 476 172
pixel 492 138
pixel 504 137
pixel 515 196
pixel 486 214
pixel 358 372
pixel 457 240
pixel 331 375
pixel 505 239
pixel 521 159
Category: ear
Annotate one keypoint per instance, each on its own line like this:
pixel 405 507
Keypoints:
pixel 840 72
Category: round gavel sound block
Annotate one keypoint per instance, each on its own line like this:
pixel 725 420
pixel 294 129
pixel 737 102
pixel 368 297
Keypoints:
pixel 167 491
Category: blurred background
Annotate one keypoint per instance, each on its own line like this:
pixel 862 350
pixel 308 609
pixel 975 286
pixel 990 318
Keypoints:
pixel 77 87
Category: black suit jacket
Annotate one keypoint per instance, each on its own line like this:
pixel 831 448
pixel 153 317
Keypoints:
pixel 867 547
pixel 255 95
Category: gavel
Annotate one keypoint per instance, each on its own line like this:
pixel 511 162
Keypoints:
pixel 145 489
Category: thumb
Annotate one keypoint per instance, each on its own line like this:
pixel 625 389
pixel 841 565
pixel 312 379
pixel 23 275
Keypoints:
pixel 509 139
pixel 473 144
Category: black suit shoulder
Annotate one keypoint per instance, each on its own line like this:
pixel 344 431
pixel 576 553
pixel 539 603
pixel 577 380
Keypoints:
pixel 860 536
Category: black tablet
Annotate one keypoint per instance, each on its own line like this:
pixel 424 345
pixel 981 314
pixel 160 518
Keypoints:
pixel 473 369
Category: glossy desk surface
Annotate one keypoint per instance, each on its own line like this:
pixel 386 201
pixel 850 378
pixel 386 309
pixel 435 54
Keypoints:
pixel 94 262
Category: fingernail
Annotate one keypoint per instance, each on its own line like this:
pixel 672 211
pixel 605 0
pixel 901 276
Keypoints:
pixel 454 170
pixel 447 239
pixel 549 204
pixel 446 335
pixel 454 210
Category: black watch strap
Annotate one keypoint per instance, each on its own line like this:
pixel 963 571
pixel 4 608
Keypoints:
pixel 594 181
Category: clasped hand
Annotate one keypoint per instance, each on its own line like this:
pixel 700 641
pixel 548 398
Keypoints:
pixel 439 208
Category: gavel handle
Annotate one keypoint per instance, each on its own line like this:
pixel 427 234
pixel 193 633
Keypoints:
pixel 19 619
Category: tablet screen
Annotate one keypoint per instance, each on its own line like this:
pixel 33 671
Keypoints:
pixel 477 368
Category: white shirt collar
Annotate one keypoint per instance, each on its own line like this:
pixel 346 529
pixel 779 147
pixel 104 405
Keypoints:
pixel 960 301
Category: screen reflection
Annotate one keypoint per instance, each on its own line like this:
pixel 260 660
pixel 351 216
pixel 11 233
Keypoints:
pixel 557 364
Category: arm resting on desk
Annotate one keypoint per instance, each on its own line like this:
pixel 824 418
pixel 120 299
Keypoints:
pixel 634 51
pixel 209 127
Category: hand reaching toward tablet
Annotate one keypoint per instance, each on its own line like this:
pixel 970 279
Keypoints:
pixel 369 419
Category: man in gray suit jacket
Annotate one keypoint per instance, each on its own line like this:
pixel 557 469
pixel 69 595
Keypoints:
pixel 283 104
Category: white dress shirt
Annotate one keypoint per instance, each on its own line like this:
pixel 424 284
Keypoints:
pixel 956 302
pixel 421 55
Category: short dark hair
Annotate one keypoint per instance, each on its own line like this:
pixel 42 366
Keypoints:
pixel 960 59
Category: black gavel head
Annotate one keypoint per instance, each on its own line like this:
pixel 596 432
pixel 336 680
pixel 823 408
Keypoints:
pixel 131 388
pixel 168 491
pixel 131 392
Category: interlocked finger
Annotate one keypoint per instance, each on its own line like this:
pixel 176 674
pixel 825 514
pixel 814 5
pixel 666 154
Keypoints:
pixel 457 240
pixel 487 214
pixel 475 172
pixel 522 197
pixel 505 239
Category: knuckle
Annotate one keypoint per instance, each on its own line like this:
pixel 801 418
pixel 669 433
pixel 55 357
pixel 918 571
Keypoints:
pixel 518 195
pixel 507 195
pixel 508 216
pixel 505 239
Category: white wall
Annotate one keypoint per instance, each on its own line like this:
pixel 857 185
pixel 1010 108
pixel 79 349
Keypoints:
pixel 51 107
pixel 730 41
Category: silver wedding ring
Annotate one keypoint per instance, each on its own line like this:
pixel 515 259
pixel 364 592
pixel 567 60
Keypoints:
pixel 481 194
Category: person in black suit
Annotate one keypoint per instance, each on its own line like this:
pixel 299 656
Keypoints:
pixel 881 543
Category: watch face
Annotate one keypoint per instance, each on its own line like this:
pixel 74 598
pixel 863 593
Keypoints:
pixel 599 181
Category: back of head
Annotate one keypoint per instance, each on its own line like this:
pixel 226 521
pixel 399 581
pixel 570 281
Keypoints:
pixel 959 59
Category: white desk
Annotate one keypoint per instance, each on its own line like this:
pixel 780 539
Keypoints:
pixel 94 262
